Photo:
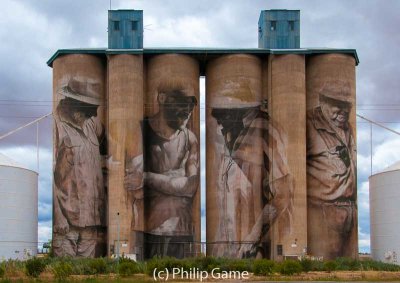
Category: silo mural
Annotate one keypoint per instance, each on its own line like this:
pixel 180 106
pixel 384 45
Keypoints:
pixel 331 157
pixel 170 157
pixel 249 184
pixel 280 154
pixel 79 191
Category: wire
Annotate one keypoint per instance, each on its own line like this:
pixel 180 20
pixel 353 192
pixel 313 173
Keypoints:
pixel 376 123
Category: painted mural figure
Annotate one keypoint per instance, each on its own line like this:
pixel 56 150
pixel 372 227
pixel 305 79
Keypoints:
pixel 331 173
pixel 253 190
pixel 79 192
pixel 171 173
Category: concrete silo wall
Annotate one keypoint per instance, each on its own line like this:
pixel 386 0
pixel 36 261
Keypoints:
pixel 272 121
pixel 171 156
pixel 125 149
pixel 331 156
pixel 233 85
pixel 79 190
pixel 287 108
pixel 248 180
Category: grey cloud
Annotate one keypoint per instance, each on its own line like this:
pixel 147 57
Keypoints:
pixel 45 212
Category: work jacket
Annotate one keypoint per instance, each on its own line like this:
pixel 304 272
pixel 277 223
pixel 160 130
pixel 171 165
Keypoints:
pixel 79 192
pixel 254 186
pixel 331 155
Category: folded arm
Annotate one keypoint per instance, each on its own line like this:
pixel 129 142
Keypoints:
pixel 181 182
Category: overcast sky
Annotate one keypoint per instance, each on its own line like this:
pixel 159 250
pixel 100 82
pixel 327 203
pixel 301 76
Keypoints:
pixel 31 31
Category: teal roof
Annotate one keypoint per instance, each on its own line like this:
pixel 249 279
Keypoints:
pixel 201 52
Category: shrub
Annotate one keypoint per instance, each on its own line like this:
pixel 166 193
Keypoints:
pixel 263 267
pixel 330 265
pixel 127 268
pixel 226 264
pixel 290 267
pixel 378 265
pixel 2 271
pixel 306 264
pixel 140 267
pixel 165 263
pixel 207 263
pixel 34 266
pixel 14 268
pixel 95 266
pixel 343 263
pixel 62 270
pixel 238 265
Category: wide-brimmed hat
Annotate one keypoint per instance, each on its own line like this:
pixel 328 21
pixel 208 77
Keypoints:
pixel 88 91
pixel 235 94
pixel 337 90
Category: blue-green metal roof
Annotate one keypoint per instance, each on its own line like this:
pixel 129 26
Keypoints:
pixel 203 52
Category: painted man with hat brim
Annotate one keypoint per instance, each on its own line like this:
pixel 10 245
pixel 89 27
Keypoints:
pixel 331 174
pixel 255 187
pixel 170 173
pixel 79 192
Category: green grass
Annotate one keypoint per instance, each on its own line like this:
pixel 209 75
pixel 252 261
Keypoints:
pixel 110 270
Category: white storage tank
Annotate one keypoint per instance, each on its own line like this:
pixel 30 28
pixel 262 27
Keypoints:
pixel 18 210
pixel 384 199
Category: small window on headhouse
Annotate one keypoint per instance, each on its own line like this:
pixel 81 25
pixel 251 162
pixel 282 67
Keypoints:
pixel 273 25
pixel 134 25
pixel 116 25
pixel 291 25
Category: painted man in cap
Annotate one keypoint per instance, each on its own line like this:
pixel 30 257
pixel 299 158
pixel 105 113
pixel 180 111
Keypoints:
pixel 255 187
pixel 331 174
pixel 79 192
pixel 171 175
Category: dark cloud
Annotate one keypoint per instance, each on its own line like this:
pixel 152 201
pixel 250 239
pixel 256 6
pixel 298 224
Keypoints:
pixel 45 212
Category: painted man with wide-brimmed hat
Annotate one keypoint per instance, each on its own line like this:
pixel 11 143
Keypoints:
pixel 255 186
pixel 331 174
pixel 79 192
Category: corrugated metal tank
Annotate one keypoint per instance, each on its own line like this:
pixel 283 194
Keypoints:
pixel 18 210
pixel 384 199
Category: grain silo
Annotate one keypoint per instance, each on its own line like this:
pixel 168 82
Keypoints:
pixel 384 198
pixel 19 210
pixel 267 134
